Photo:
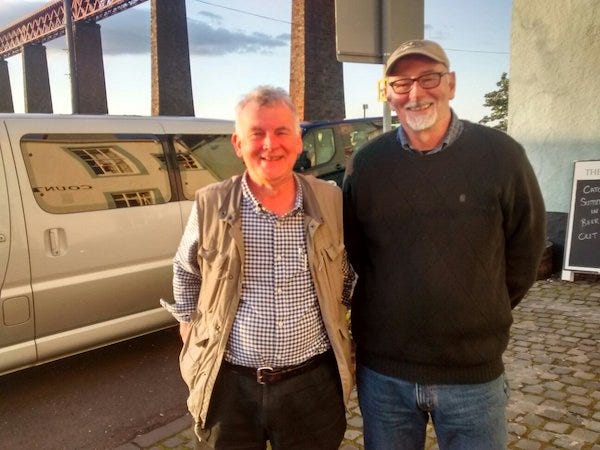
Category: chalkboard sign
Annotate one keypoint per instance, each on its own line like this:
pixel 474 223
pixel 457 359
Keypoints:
pixel 582 249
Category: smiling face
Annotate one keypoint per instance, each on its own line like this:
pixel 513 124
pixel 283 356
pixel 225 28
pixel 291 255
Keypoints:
pixel 267 138
pixel 422 109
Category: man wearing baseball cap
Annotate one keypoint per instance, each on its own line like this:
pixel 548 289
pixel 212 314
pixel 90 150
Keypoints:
pixel 445 226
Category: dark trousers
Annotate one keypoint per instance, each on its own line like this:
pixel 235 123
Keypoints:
pixel 305 412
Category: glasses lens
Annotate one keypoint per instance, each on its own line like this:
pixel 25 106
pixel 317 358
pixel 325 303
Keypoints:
pixel 427 81
pixel 401 86
pixel 430 80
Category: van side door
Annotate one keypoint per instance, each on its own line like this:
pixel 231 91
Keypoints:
pixel 17 344
pixel 101 226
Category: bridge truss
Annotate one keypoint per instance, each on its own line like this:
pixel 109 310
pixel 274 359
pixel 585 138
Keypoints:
pixel 48 22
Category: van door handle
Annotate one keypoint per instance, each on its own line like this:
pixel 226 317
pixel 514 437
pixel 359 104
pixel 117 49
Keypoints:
pixel 54 241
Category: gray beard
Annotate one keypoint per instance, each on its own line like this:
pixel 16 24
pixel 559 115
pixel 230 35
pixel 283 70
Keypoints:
pixel 423 122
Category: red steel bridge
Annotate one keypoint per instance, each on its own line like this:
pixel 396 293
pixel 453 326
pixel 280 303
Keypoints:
pixel 48 22
pixel 171 90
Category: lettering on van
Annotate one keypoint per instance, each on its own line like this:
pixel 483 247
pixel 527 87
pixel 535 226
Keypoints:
pixel 80 187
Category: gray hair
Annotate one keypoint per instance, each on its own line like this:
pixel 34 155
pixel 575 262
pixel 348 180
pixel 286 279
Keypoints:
pixel 266 96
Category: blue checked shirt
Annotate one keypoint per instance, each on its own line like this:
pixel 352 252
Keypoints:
pixel 278 322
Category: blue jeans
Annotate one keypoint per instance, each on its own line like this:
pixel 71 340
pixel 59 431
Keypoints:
pixel 465 416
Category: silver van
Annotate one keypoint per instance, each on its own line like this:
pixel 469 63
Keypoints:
pixel 91 212
pixel 92 209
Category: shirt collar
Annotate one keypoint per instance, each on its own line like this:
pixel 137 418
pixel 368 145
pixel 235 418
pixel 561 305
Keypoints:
pixel 258 207
pixel 452 133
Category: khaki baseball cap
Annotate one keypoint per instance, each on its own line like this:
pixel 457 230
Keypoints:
pixel 417 47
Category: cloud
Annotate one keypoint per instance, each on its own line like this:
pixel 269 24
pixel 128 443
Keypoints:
pixel 205 39
pixel 210 15
pixel 11 10
pixel 437 33
pixel 128 32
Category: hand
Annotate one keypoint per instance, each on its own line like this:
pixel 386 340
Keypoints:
pixel 184 330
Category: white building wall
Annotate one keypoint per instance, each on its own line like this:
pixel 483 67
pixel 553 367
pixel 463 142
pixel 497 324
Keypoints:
pixel 554 107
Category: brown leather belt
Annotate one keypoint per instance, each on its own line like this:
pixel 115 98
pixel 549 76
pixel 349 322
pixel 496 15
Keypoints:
pixel 270 375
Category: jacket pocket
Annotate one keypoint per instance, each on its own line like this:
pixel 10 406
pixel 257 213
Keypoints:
pixel 334 252
pixel 213 263
pixel 331 268
pixel 192 354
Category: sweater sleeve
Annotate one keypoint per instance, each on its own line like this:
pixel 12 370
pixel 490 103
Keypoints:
pixel 352 234
pixel 524 227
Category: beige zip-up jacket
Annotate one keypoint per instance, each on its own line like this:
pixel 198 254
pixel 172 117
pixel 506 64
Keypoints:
pixel 220 258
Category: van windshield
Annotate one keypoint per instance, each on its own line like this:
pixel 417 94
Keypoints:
pixel 204 159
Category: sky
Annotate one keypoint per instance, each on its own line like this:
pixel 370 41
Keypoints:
pixel 236 45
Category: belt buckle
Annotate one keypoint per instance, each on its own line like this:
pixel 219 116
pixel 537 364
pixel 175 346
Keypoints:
pixel 260 372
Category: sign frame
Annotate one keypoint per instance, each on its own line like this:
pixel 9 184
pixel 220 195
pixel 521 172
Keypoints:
pixel 367 31
pixel 584 223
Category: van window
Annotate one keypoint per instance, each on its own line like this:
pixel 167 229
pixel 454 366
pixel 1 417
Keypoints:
pixel 359 133
pixel 318 146
pixel 205 159
pixel 77 172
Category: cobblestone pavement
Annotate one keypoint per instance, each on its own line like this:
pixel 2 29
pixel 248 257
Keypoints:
pixel 552 364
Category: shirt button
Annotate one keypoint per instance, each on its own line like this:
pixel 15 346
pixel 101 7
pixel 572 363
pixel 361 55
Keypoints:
pixel 280 324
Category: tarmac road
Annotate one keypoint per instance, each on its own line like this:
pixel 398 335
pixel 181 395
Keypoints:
pixel 95 400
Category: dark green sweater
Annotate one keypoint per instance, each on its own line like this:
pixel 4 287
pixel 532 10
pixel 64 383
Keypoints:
pixel 445 245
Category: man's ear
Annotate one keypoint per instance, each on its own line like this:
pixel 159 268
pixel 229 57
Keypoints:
pixel 300 144
pixel 452 83
pixel 237 144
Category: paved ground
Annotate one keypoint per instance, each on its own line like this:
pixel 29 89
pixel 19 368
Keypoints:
pixel 553 366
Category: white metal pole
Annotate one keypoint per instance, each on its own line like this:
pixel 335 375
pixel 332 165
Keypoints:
pixel 67 4
pixel 386 9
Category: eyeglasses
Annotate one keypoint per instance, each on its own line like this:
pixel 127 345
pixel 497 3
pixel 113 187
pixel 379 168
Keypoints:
pixel 426 81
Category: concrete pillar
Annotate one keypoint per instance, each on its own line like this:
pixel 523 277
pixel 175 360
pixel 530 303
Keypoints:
pixel 316 77
pixel 90 68
pixel 171 75
pixel 6 101
pixel 36 83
